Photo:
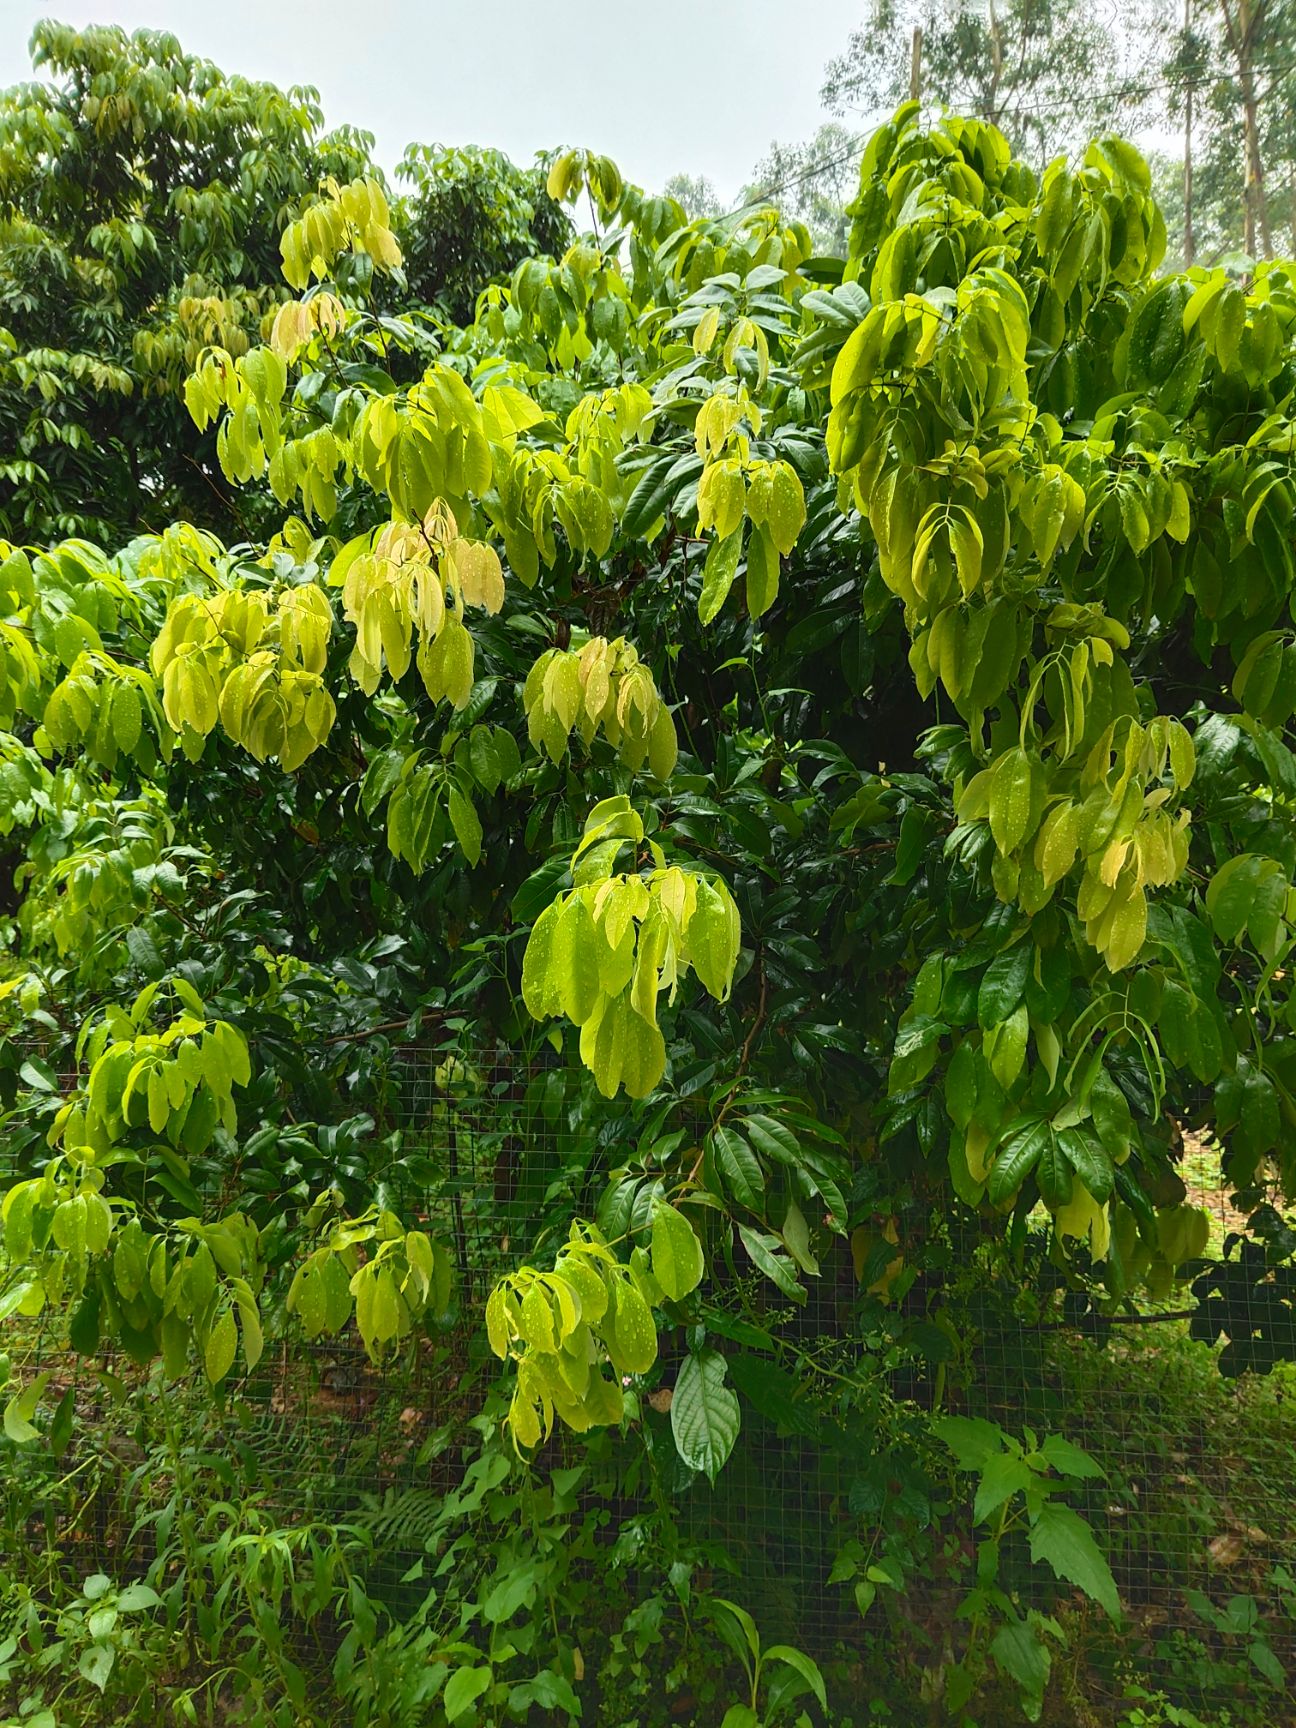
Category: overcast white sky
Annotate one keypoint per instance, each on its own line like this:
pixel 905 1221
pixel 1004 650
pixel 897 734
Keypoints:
pixel 662 86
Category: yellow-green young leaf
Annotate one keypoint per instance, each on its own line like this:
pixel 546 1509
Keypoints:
pixel 1230 320
pixel 1057 842
pixel 605 1402
pixel 497 1331
pixel 713 935
pixel 722 497
pixel 175 1346
pixel 1134 517
pixel 20 1409
pixel 718 574
pixel 218 1352
pixel 564 177
pixel 562 689
pixel 1128 931
pixel 536 1325
pixel 620 1047
pixel 159 1104
pixel 1183 755
pixel 466 824
pixel 540 990
pixel 663 745
pixel 446 665
pixel 762 572
pixel 705 332
pixel 677 1259
pixel 857 362
pixel 129 1263
pixel 126 717
pixel 574 959
pixel 628 1330
pixel 1010 800
pixel 386 1311
pixel 1005 1046
pixel 507 411
pixel 195 695
pixel 588 1283
pixel 253 1337
pixel 920 663
pixel 306 1298
pixel 523 1420
pixel 1179 524
pixel 1048 511
pixel 786 509
pixel 967 545
pixel 1049 1047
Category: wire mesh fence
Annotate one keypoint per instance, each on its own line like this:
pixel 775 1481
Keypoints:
pixel 1196 1506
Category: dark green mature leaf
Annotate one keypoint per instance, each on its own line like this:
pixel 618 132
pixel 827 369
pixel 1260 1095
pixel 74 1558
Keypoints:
pixel 764 1251
pixel 1089 1159
pixel 1017 1156
pixel 654 489
pixel 1022 1655
pixel 1004 984
pixel 971 1439
pixel 705 1417
pixel 1061 1538
pixel 733 1170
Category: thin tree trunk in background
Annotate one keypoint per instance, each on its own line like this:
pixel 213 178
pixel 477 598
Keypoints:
pixel 1189 243
pixel 915 66
pixel 996 49
pixel 1240 26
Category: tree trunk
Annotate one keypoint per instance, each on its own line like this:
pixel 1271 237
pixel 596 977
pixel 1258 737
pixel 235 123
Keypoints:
pixel 996 52
pixel 915 66
pixel 1240 26
pixel 1189 241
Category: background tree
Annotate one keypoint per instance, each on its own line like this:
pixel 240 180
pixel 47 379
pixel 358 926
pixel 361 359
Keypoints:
pixel 1049 73
pixel 142 195
pixel 812 183
pixel 470 217
pixel 695 194
pixel 1229 75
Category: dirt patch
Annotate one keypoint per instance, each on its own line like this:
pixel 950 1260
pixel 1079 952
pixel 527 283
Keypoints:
pixel 1206 1187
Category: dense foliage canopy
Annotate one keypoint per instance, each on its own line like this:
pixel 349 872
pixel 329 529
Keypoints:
pixel 840 705
pixel 142 196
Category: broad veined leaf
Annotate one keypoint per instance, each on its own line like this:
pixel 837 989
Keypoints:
pixel 1002 1475
pixel 705 1417
pixel 1060 1537
pixel 1090 1160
